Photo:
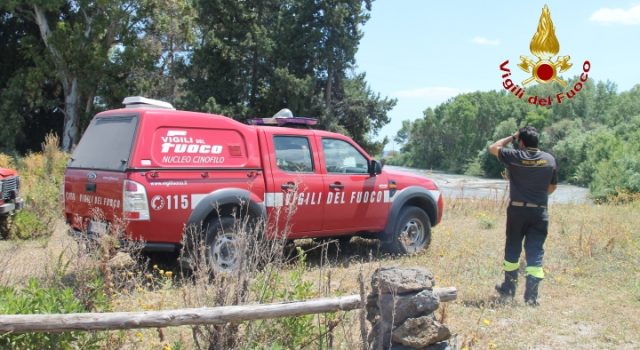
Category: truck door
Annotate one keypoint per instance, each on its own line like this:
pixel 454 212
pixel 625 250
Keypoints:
pixel 355 201
pixel 294 197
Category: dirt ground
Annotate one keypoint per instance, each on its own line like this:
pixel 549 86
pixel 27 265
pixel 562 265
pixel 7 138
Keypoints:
pixel 21 260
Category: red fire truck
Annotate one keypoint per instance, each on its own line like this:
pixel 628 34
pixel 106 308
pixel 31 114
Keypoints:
pixel 160 170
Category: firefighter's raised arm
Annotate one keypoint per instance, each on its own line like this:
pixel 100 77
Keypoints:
pixel 495 147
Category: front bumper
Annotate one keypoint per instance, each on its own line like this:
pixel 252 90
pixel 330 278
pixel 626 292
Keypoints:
pixel 9 208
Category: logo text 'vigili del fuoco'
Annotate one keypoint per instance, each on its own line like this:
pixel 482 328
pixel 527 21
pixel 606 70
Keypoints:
pixel 545 47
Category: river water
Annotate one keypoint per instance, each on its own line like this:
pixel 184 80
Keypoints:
pixel 463 186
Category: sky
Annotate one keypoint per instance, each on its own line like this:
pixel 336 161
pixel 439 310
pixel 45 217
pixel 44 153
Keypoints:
pixel 424 52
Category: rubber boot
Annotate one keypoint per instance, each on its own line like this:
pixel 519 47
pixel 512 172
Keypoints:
pixel 507 289
pixel 531 291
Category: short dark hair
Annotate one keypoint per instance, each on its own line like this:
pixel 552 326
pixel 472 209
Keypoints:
pixel 529 136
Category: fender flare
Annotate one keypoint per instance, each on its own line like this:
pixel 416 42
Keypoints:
pixel 414 196
pixel 250 203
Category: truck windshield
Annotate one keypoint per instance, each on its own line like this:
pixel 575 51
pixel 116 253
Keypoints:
pixel 106 145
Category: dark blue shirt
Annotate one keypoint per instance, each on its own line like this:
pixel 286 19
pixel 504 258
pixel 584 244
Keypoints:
pixel 530 173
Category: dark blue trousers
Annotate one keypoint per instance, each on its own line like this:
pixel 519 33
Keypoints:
pixel 531 226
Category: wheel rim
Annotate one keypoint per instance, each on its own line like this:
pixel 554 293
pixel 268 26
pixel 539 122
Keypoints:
pixel 412 234
pixel 224 253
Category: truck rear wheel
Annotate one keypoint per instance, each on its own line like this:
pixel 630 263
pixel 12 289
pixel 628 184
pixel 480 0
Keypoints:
pixel 223 248
pixel 412 232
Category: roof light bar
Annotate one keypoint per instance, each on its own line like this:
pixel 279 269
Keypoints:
pixel 139 101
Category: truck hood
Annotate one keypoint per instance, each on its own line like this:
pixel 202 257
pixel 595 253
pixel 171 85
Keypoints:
pixel 405 179
pixel 4 172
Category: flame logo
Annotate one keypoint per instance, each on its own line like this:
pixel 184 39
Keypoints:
pixel 545 46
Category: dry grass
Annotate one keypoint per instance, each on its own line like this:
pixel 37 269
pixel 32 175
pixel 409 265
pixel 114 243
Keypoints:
pixel 590 297
pixel 6 161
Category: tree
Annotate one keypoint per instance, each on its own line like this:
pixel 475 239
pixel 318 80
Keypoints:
pixel 257 57
pixel 403 134
pixel 25 87
pixel 361 112
pixel 82 40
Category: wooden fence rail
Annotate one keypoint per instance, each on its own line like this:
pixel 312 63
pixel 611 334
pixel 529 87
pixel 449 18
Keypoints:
pixel 181 317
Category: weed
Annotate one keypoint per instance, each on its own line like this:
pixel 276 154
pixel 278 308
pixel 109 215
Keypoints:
pixel 40 178
pixel 36 299
pixel 272 286
pixel 485 220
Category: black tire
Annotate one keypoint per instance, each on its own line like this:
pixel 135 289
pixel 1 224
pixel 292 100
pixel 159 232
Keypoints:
pixel 411 234
pixel 222 251
pixel 4 226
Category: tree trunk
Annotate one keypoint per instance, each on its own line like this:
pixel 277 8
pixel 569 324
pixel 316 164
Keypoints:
pixel 69 82
pixel 71 101
pixel 254 62
pixel 329 88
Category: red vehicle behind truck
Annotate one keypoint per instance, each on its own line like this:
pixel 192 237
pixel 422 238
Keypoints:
pixel 154 170
pixel 10 200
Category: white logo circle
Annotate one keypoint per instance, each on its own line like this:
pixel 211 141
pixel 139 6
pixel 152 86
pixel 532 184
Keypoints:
pixel 157 202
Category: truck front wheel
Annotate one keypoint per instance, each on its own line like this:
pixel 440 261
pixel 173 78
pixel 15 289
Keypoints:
pixel 4 226
pixel 412 232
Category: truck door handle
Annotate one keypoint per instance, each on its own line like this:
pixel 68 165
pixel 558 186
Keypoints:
pixel 336 186
pixel 289 186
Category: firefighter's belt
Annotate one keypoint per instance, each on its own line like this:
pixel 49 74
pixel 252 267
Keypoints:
pixel 525 204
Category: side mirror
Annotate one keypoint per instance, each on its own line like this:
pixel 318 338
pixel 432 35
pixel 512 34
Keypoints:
pixel 375 168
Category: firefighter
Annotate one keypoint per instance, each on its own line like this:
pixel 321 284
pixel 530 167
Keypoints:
pixel 532 177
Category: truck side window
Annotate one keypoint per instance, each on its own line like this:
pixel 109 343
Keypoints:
pixel 293 154
pixel 342 157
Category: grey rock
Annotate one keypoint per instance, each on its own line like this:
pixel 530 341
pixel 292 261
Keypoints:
pixel 443 345
pixel 400 347
pixel 380 335
pixel 121 261
pixel 373 313
pixel 402 307
pixel 396 280
pixel 420 332
pixel 437 346
pixel 372 299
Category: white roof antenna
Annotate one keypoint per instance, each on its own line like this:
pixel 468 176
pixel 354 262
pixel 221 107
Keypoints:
pixel 139 101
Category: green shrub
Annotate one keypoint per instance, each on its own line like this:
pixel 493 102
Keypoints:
pixel 485 220
pixel 35 299
pixel 41 177
pixel 286 332
pixel 26 224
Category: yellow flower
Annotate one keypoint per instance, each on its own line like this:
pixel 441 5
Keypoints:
pixel 167 347
pixel 169 274
pixel 486 322
pixel 558 279
pixel 139 335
